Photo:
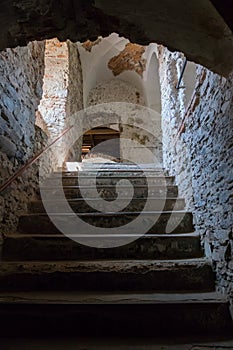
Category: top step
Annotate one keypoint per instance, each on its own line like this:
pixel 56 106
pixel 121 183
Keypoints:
pixel 113 166
pixel 84 165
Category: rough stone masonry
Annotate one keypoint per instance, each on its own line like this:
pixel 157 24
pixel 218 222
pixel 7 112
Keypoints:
pixel 22 71
pixel 201 157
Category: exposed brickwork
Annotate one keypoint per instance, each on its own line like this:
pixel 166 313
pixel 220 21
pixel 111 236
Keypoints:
pixel 129 59
pixel 88 45
pixel 53 103
pixel 62 93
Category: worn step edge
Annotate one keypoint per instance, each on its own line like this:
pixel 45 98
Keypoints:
pixel 115 275
pixel 119 213
pixel 105 180
pixel 112 171
pixel 81 205
pixel 147 236
pixel 60 247
pixel 122 266
pixel 182 222
pixel 140 192
pixel 69 297
pixel 105 177
pixel 109 187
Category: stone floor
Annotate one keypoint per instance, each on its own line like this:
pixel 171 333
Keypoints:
pixel 112 344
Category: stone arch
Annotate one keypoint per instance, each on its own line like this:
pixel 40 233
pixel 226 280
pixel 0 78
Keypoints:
pixel 101 142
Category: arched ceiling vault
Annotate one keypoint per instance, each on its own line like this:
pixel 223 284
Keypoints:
pixel 193 27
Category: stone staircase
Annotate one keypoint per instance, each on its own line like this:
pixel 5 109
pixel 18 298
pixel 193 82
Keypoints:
pixel 159 281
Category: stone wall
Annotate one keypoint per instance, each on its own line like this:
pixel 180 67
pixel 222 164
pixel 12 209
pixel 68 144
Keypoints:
pixel 21 72
pixel 209 133
pixel 201 157
pixel 176 155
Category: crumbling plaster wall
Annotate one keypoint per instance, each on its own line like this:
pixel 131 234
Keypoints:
pixel 201 157
pixel 95 60
pixel 115 70
pixel 21 71
pixel 114 57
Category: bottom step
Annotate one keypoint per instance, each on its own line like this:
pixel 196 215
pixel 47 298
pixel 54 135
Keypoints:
pixel 107 314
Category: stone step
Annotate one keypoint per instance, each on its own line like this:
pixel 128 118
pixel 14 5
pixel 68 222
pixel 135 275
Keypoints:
pixel 59 247
pixel 109 180
pixel 108 275
pixel 182 222
pixel 112 163
pixel 127 166
pixel 113 172
pixel 110 191
pixel 81 206
pixel 113 314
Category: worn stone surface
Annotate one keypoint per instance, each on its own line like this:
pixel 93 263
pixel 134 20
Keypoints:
pixel 136 204
pixel 112 180
pixel 50 248
pixel 110 191
pixel 182 222
pixel 194 28
pixel 193 275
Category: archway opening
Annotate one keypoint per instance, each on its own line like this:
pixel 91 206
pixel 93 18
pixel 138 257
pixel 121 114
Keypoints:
pixel 101 143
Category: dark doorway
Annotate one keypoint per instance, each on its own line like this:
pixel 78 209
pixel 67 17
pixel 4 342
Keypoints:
pixel 101 142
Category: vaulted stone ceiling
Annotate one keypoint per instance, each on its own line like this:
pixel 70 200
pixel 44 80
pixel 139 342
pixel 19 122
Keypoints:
pixel 193 27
